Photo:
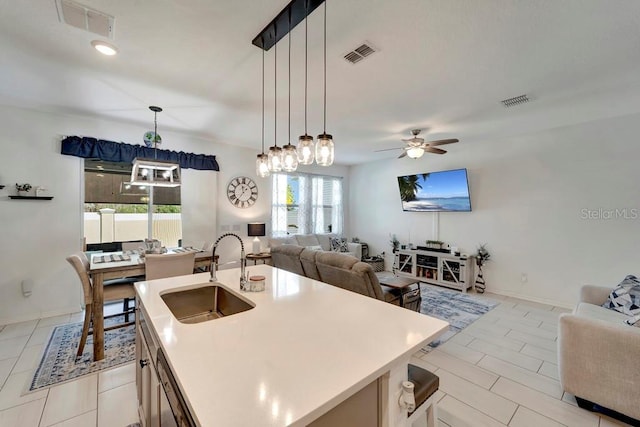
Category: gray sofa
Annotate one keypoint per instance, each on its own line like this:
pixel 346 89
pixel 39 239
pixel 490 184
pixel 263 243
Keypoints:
pixel 315 241
pixel 337 269
pixel 598 355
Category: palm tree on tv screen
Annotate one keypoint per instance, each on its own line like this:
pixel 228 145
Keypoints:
pixel 409 186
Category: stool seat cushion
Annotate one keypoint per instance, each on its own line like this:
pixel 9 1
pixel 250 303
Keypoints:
pixel 424 382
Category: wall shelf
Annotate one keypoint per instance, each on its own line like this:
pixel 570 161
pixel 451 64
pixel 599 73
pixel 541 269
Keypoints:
pixel 1 187
pixel 31 197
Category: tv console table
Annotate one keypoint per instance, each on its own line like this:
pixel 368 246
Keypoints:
pixel 437 268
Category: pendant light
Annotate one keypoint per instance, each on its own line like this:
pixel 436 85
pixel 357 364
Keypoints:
pixel 324 145
pixel 154 172
pixel 262 162
pixel 289 152
pixel 275 152
pixel 305 142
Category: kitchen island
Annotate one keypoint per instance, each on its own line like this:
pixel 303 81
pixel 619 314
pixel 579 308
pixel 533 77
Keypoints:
pixel 303 348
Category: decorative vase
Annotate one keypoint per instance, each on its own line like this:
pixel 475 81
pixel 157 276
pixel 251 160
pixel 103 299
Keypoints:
pixel 480 285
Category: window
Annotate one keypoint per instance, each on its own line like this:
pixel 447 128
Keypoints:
pixel 107 186
pixel 305 204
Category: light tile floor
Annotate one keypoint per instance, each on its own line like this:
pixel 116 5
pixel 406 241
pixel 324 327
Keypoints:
pixel 502 371
pixel 499 371
pixel 104 399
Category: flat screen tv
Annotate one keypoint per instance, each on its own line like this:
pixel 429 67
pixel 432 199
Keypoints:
pixel 445 191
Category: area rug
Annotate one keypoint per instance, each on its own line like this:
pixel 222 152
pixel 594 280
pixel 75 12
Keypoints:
pixel 59 361
pixel 457 308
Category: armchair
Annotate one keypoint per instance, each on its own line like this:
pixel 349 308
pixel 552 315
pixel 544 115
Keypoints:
pixel 598 355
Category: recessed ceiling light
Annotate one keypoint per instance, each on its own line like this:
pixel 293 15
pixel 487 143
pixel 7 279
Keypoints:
pixel 104 47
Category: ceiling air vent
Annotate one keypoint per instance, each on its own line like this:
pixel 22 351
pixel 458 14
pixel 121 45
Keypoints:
pixel 85 18
pixel 517 100
pixel 359 53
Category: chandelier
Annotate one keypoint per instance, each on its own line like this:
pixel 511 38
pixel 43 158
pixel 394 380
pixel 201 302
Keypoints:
pixel 289 156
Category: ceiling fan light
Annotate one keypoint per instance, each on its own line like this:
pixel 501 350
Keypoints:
pixel 275 159
pixel 324 150
pixel 262 165
pixel 306 150
pixel 415 152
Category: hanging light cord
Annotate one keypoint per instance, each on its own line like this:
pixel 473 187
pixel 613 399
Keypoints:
pixel 155 135
pixel 325 68
pixel 275 95
pixel 305 65
pixel 263 98
pixel 289 137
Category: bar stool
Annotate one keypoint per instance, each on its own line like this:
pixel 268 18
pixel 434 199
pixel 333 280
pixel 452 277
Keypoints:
pixel 425 385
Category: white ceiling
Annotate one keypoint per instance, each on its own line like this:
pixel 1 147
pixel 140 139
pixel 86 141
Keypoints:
pixel 443 65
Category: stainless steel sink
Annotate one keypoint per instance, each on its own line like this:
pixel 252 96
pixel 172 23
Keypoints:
pixel 204 302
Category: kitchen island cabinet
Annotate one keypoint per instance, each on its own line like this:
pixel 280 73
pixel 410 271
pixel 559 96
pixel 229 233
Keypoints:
pixel 304 349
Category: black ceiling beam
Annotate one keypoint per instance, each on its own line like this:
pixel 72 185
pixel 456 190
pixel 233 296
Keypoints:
pixel 279 27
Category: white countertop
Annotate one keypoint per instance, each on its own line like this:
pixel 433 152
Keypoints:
pixel 303 348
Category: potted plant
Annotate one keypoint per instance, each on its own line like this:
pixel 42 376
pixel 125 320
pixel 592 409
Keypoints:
pixel 395 243
pixel 23 189
pixel 482 257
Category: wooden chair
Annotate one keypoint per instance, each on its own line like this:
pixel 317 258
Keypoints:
pixel 113 291
pixel 159 266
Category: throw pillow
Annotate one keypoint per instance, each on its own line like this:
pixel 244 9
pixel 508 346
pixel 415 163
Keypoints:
pixel 626 297
pixel 633 321
pixel 339 244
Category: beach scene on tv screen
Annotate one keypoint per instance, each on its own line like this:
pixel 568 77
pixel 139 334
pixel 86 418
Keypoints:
pixel 436 191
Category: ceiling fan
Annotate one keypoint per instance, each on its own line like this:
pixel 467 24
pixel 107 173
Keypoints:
pixel 415 147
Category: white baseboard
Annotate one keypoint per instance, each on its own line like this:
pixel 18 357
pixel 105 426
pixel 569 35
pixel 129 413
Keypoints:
pixel 40 315
pixel 533 299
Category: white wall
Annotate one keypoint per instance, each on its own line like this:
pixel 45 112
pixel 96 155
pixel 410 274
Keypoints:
pixel 38 235
pixel 528 195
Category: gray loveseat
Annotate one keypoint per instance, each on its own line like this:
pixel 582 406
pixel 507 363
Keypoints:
pixel 337 269
pixel 598 355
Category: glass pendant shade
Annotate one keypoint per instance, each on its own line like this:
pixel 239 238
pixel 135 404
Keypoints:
pixel 289 158
pixel 262 165
pixel 324 150
pixel 415 152
pixel 306 150
pixel 275 159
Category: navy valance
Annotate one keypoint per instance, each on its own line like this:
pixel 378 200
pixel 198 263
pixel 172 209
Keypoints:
pixel 92 148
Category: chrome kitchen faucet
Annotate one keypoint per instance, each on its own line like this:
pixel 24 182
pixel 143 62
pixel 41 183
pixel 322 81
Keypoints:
pixel 243 261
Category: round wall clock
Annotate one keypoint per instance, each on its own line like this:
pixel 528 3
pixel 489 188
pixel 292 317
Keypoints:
pixel 242 192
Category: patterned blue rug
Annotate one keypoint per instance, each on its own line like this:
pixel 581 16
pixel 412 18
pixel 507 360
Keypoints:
pixel 59 362
pixel 457 308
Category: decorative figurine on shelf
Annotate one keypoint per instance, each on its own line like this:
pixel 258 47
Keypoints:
pixel 23 189
pixel 395 243
pixel 482 256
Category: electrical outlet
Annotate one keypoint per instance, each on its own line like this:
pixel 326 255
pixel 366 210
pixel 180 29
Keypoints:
pixel 524 278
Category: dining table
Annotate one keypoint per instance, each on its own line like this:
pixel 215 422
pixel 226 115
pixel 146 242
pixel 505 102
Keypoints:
pixel 115 265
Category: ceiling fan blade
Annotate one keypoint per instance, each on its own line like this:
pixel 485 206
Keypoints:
pixel 388 149
pixel 416 140
pixel 402 155
pixel 434 150
pixel 442 142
